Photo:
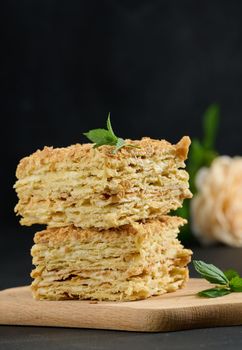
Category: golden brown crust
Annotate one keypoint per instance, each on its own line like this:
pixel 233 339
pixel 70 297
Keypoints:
pixel 182 147
pixel 147 147
pixel 62 234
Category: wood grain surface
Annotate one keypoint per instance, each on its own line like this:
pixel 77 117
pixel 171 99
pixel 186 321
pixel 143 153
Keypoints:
pixel 174 311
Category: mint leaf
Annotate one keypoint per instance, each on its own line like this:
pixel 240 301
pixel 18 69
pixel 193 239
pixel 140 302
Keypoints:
pixel 236 284
pixel 110 129
pixel 231 274
pixel 210 125
pixel 229 280
pixel 214 292
pixel 107 136
pixel 100 137
pixel 210 272
pixel 119 144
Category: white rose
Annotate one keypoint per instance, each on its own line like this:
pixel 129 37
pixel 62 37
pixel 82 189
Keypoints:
pixel 216 209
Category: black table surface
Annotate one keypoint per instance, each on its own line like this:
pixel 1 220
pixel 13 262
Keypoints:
pixel 14 271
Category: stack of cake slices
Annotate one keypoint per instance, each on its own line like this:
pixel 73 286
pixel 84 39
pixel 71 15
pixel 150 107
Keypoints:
pixel 108 235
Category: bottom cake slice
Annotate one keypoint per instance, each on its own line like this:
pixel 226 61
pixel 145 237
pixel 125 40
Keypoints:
pixel 127 263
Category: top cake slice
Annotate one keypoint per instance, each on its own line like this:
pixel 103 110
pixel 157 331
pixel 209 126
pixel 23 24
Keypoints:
pixel 93 187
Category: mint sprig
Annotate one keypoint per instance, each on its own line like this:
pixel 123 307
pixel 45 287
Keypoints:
pixel 226 282
pixel 231 274
pixel 210 272
pixel 202 152
pixel 236 284
pixel 107 136
pixel 214 292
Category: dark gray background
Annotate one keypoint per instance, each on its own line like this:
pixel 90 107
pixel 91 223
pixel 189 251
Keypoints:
pixel 156 65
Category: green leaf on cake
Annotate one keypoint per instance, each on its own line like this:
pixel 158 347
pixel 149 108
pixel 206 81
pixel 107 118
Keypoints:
pixel 101 137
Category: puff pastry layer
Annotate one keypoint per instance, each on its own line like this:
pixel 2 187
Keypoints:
pixel 90 187
pixel 131 262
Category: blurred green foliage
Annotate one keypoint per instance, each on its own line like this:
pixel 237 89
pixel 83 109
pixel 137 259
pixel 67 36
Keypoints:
pixel 201 154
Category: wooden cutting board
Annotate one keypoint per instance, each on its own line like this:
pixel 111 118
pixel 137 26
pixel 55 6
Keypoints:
pixel 170 312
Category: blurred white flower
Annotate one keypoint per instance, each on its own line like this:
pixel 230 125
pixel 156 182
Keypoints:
pixel 216 209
